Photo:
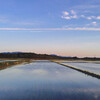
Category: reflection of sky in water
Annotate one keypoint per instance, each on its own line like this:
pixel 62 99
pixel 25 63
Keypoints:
pixel 93 67
pixel 47 81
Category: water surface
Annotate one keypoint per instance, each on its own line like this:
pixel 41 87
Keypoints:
pixel 47 81
pixel 93 67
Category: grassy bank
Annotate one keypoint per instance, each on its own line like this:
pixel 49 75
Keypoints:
pixel 80 70
pixel 4 65
pixel 78 61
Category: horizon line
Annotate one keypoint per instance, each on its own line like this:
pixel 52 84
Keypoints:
pixel 53 54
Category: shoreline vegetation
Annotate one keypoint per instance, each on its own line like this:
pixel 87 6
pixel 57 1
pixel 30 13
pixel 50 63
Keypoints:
pixel 6 63
pixel 10 59
pixel 80 70
pixel 10 63
pixel 24 55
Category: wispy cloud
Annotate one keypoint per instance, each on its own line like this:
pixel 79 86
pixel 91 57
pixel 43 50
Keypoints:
pixel 73 12
pixel 52 29
pixel 37 31
pixel 3 19
pixel 9 20
pixel 24 23
pixel 86 6
pixel 93 17
pixel 92 24
pixel 98 17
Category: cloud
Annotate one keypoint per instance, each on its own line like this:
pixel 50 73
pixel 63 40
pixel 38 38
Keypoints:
pixel 98 17
pixel 93 17
pixel 37 31
pixel 83 16
pixel 88 12
pixel 86 7
pixel 8 20
pixel 66 17
pixel 73 15
pixel 69 15
pixel 94 23
pixel 3 19
pixel 39 71
pixel 89 18
pixel 65 13
pixel 73 12
pixel 24 23
pixel 51 29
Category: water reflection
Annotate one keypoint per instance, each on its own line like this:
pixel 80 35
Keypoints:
pixel 47 81
pixel 87 66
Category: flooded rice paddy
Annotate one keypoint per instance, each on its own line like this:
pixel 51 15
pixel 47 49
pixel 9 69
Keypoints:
pixel 45 80
pixel 92 67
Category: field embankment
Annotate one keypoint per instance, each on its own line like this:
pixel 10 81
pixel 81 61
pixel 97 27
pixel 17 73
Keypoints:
pixel 4 64
pixel 80 70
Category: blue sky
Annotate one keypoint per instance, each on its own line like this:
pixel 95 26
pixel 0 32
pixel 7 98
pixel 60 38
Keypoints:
pixel 63 27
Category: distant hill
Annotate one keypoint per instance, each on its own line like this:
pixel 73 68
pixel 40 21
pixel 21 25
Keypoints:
pixel 60 56
pixel 41 56
pixel 26 55
pixel 10 52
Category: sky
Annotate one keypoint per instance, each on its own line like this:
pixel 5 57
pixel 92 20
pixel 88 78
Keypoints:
pixel 62 27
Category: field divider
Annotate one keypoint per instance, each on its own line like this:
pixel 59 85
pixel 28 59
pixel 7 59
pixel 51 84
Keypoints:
pixel 80 70
pixel 4 65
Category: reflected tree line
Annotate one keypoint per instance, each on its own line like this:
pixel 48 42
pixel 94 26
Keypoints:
pixel 4 65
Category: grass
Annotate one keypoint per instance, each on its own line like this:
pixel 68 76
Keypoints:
pixel 4 65
pixel 80 70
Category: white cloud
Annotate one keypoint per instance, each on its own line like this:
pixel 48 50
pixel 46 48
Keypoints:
pixel 37 31
pixel 89 18
pixel 94 23
pixel 93 17
pixel 73 12
pixel 52 29
pixel 83 16
pixel 98 17
pixel 75 16
pixel 71 15
pixel 65 13
pixel 66 17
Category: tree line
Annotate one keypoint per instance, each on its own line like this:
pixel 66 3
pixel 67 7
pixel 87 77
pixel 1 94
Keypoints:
pixel 42 56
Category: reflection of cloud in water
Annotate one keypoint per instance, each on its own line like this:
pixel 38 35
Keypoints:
pixel 7 89
pixel 39 71
pixel 47 80
pixel 81 90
